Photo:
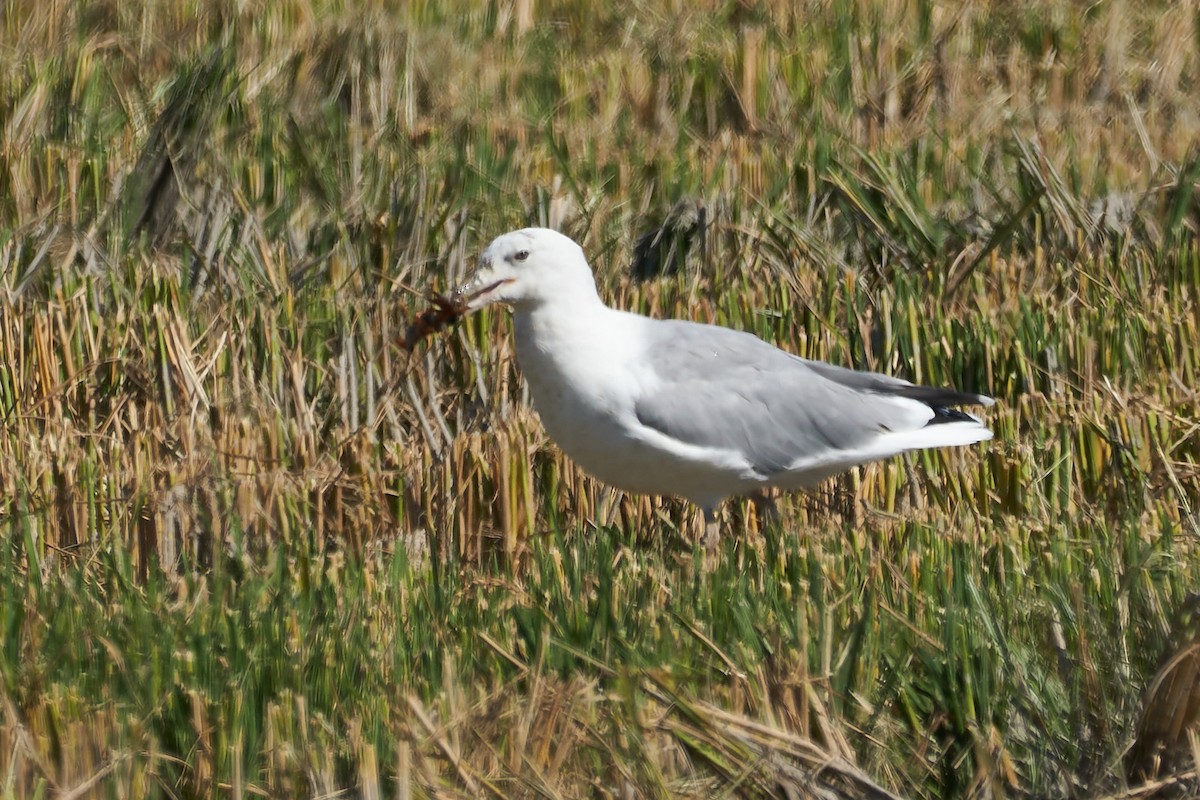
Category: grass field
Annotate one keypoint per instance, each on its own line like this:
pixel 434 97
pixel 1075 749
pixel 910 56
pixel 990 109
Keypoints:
pixel 252 548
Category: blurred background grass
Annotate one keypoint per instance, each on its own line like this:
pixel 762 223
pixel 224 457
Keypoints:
pixel 253 548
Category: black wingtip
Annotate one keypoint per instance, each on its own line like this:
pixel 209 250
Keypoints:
pixel 942 398
pixel 942 415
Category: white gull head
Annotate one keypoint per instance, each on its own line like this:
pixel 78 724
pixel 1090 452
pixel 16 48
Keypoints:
pixel 527 268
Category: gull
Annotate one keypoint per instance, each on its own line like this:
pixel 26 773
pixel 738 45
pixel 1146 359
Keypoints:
pixel 681 408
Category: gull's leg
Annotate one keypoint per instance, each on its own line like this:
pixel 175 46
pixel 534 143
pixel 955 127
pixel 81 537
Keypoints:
pixel 608 510
pixel 712 527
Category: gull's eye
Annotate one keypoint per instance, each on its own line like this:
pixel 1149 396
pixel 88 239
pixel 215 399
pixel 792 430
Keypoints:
pixel 521 255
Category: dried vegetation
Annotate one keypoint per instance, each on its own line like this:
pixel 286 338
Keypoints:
pixel 254 547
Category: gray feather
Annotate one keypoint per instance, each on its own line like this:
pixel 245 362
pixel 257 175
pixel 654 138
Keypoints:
pixel 772 406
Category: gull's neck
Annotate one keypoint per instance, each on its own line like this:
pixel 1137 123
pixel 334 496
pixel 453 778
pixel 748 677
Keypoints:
pixel 575 352
pixel 561 316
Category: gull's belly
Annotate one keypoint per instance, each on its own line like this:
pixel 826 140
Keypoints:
pixel 593 431
pixel 600 432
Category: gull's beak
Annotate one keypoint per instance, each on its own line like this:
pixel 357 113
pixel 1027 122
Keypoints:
pixel 479 290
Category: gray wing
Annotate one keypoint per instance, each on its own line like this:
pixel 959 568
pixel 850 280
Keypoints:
pixel 731 390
